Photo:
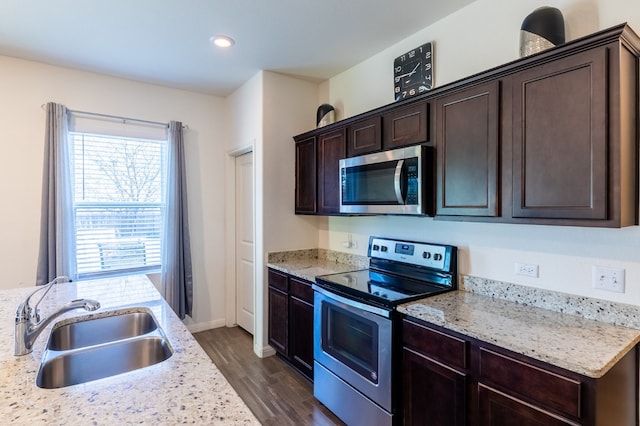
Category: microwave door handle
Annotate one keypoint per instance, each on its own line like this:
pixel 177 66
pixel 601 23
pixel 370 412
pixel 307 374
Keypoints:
pixel 397 182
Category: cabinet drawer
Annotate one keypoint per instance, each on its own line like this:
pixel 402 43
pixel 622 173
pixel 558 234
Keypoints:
pixel 278 280
pixel 301 289
pixel 406 126
pixel 533 383
pixel 497 408
pixel 436 345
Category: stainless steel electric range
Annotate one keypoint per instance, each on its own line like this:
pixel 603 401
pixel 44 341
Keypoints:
pixel 355 326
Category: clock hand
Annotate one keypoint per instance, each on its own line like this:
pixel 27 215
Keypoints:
pixel 415 69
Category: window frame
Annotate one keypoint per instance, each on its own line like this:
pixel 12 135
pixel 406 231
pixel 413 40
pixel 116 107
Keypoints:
pixel 156 251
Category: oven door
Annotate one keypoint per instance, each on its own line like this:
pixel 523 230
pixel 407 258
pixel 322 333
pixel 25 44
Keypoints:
pixel 353 341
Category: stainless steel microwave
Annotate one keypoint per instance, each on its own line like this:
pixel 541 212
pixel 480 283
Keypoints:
pixel 388 182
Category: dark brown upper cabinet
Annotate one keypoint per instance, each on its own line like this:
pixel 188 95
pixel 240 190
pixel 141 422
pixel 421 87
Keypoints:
pixel 549 139
pixel 364 136
pixel 467 140
pixel 331 149
pixel 406 125
pixel 560 139
pixel 305 202
pixel 574 138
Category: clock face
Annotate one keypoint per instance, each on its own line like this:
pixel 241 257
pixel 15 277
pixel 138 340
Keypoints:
pixel 413 72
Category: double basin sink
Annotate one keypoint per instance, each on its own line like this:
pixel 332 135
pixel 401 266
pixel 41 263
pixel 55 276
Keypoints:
pixel 92 348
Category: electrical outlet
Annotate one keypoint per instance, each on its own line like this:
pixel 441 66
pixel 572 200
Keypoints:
pixel 610 279
pixel 350 243
pixel 526 269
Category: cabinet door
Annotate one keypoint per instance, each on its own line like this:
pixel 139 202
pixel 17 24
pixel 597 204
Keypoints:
pixel 499 409
pixel 467 127
pixel 364 137
pixel 331 149
pixel 306 176
pixel 301 345
pixel 406 126
pixel 433 393
pixel 279 320
pixel 560 138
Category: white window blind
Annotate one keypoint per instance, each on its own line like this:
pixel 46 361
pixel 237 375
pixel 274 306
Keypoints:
pixel 118 203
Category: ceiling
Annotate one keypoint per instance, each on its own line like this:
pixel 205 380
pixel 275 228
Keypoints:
pixel 166 42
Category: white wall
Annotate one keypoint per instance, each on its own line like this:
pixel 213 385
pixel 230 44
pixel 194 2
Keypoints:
pixel 483 35
pixel 265 113
pixel 480 36
pixel 26 85
pixel 245 134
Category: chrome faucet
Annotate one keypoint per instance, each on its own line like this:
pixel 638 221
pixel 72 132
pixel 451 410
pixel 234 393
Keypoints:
pixel 28 325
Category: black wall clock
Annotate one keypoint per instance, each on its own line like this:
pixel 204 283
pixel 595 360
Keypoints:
pixel 413 72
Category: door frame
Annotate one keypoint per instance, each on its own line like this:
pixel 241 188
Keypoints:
pixel 230 236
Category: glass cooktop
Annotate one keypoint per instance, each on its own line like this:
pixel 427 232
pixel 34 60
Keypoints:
pixel 379 288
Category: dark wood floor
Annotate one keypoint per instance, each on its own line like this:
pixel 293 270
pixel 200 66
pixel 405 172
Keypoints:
pixel 271 388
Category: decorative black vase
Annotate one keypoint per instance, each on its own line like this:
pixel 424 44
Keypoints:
pixel 541 29
pixel 325 115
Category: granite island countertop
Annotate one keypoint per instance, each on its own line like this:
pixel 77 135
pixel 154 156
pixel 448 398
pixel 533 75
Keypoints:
pixel 584 346
pixel 186 388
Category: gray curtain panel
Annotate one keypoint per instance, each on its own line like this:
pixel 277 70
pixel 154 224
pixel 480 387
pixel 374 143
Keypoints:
pixel 56 255
pixel 177 274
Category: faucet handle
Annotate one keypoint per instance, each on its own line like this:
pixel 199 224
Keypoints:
pixel 25 312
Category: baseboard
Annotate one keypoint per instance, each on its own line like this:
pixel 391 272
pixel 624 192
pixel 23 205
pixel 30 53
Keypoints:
pixel 264 352
pixel 195 328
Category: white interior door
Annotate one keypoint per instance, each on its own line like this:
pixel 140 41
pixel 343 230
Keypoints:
pixel 245 287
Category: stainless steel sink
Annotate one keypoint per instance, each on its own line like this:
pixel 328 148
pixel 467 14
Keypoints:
pixel 96 348
pixel 101 330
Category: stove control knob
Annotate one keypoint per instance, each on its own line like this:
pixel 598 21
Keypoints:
pixel 426 255
pixel 383 249
pixel 376 247
pixel 437 256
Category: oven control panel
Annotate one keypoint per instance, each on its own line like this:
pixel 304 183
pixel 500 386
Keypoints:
pixel 420 254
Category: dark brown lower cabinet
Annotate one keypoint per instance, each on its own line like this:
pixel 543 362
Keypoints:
pixel 278 320
pixel 291 320
pixel 433 393
pixel 497 408
pixel 452 379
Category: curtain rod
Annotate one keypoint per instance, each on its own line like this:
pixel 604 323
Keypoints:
pixel 119 118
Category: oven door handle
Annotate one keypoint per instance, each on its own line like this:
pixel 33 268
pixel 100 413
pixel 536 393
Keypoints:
pixel 353 303
pixel 397 182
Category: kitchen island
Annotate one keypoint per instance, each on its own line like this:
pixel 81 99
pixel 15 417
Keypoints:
pixel 186 388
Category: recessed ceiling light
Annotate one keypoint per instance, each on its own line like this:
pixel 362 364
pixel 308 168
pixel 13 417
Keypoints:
pixel 222 41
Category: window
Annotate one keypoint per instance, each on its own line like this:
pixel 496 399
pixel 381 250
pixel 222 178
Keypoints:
pixel 118 203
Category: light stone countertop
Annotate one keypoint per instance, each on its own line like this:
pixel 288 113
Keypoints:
pixel 571 342
pixel 186 388
pixel 583 335
pixel 308 264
